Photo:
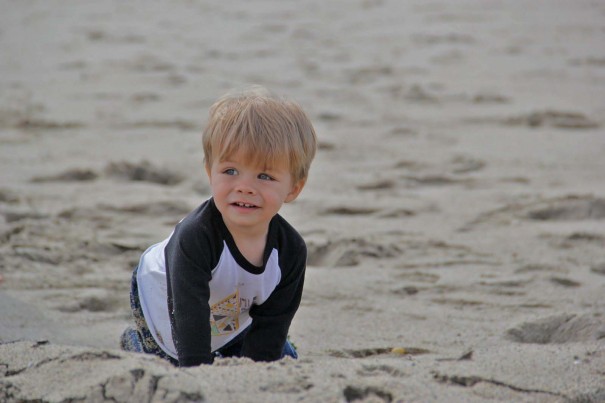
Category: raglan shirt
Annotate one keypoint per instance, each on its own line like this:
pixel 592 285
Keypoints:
pixel 198 292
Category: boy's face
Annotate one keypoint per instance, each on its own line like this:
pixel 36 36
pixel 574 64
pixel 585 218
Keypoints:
pixel 248 196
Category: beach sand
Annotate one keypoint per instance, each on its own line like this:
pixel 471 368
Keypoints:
pixel 455 213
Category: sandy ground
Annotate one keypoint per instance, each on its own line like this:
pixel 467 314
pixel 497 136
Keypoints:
pixel 455 211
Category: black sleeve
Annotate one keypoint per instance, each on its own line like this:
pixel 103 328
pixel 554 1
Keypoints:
pixel 271 320
pixel 188 273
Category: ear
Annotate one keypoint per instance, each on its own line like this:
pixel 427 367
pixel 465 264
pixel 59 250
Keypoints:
pixel 208 169
pixel 295 191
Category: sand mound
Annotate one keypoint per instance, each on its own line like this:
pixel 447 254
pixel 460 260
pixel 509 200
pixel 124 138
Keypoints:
pixel 45 372
pixel 560 329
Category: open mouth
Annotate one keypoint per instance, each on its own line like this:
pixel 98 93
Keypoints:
pixel 244 205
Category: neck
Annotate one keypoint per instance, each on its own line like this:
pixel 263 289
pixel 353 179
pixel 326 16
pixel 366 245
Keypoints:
pixel 251 243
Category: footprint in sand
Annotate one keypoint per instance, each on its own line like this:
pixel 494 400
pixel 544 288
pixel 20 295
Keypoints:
pixel 368 74
pixel 487 98
pixel 148 63
pixel 326 146
pixel 550 118
pixel 564 328
pixel 570 208
pixel 384 184
pixel 575 239
pixel 588 61
pixel 8 196
pixel 436 180
pixel 366 394
pixel 420 94
pixel 567 208
pixel 555 279
pixel 349 252
pixel 598 269
pixel 297 384
pixel 71 175
pixel 37 124
pixel 19 213
pixel 142 172
pixel 439 39
pixel 99 35
pixel 376 212
pixel 349 210
pixel 145 97
pixel 565 282
pixel 93 300
pixel 370 352
pixel 511 287
pixel 155 209
pixel 373 370
pixel 419 276
pixel 533 268
pixel 450 173
pixel 462 164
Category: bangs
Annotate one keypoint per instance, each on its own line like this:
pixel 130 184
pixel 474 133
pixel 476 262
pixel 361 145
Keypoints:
pixel 258 153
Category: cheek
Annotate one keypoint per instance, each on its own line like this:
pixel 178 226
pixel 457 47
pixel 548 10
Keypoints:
pixel 280 196
pixel 217 187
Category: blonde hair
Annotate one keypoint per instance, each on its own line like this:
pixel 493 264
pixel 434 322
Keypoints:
pixel 267 129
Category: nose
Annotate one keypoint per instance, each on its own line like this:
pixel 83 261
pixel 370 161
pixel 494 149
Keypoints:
pixel 244 186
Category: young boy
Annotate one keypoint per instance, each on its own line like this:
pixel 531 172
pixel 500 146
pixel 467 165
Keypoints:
pixel 229 279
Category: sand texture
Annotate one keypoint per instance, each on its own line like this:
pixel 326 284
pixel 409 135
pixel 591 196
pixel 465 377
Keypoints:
pixel 454 216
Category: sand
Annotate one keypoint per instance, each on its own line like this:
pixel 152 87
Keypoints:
pixel 455 213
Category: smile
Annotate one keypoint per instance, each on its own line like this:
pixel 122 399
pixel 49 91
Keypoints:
pixel 246 205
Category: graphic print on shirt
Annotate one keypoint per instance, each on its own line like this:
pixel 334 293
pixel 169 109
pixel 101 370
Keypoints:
pixel 224 316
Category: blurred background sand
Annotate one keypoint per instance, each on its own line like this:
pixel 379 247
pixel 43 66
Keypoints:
pixel 456 207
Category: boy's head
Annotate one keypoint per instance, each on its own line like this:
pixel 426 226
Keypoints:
pixel 268 130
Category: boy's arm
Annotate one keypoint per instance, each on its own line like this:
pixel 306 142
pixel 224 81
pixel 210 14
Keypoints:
pixel 271 320
pixel 188 295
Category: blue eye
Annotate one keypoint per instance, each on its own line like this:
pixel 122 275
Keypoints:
pixel 230 171
pixel 265 177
